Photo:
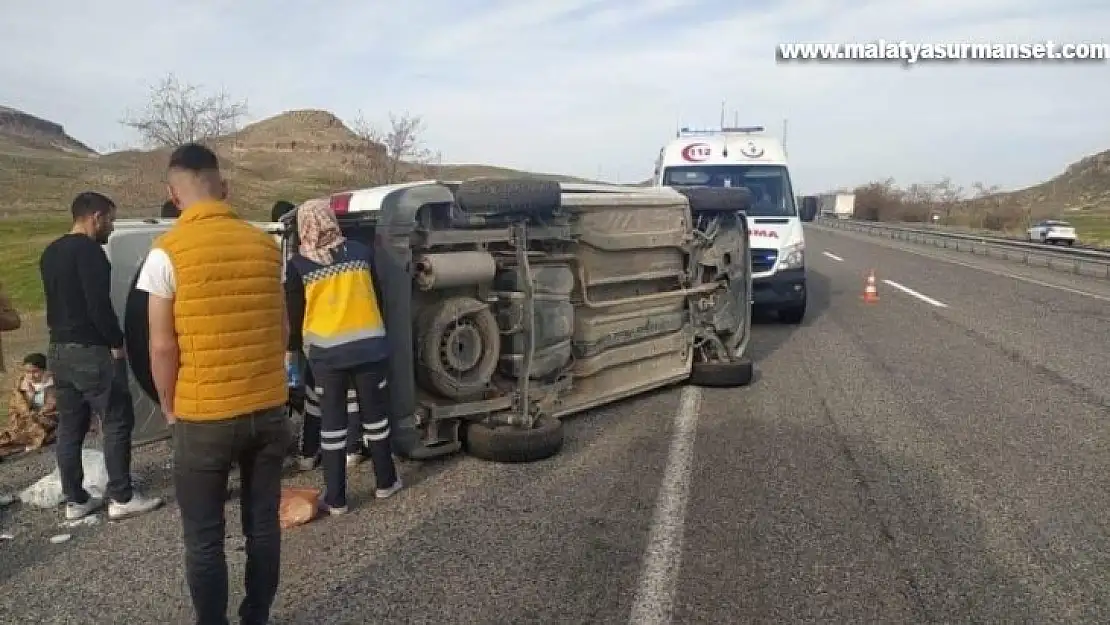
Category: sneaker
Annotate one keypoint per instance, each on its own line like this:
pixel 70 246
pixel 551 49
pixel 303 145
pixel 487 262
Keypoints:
pixel 383 493
pixel 139 504
pixel 353 460
pixel 77 511
pixel 307 463
pixel 333 510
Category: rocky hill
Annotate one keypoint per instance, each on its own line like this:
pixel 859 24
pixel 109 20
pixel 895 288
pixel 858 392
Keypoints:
pixel 1083 187
pixel 301 131
pixel 295 155
pixel 21 131
pixel 1080 195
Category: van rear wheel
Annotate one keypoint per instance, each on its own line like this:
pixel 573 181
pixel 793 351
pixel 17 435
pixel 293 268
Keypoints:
pixel 512 443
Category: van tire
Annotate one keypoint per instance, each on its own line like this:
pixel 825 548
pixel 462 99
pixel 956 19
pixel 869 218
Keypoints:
pixel 717 199
pixel 510 196
pixel 514 444
pixel 433 324
pixel 723 374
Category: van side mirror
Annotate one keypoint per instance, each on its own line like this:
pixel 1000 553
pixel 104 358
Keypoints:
pixel 808 210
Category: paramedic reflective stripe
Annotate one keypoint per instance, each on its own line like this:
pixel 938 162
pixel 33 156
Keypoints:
pixel 333 440
pixel 312 402
pixel 316 340
pixel 376 431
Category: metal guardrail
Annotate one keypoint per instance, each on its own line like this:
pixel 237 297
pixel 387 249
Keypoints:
pixel 1079 261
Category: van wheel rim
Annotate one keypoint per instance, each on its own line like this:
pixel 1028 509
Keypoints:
pixel 461 346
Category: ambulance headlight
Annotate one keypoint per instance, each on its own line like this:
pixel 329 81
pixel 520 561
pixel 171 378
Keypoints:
pixel 793 256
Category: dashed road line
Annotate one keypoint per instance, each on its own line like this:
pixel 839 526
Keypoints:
pixel 654 603
pixel 990 270
pixel 833 256
pixel 908 291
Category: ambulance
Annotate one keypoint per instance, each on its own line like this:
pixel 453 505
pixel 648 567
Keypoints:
pixel 749 157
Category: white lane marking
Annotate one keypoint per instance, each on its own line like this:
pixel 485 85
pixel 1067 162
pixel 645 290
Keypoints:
pixel 833 256
pixel 997 272
pixel 908 291
pixel 654 603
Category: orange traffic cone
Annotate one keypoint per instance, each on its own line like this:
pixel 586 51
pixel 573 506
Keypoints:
pixel 870 293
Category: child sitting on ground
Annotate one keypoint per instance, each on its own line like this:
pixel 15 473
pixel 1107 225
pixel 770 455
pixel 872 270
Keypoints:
pixel 32 409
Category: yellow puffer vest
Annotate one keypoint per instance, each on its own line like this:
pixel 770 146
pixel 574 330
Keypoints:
pixel 228 314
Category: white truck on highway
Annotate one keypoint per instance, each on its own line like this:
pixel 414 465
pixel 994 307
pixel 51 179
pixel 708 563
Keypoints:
pixel 749 158
pixel 837 205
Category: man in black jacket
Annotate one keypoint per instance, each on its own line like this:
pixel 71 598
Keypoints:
pixel 87 358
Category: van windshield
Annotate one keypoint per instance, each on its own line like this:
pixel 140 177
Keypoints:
pixel 772 195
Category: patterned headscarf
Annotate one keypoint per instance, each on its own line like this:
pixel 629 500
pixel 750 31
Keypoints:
pixel 319 231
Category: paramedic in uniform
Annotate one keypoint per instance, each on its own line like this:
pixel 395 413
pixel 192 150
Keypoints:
pixel 335 317
pixel 306 399
pixel 217 344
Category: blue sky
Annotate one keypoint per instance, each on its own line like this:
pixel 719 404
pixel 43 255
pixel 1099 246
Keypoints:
pixel 593 87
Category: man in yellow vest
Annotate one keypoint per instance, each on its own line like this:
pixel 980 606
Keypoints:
pixel 217 348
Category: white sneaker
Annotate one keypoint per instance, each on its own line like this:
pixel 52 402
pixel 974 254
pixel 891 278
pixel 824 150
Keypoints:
pixel 139 504
pixel 326 509
pixel 77 511
pixel 383 493
pixel 353 460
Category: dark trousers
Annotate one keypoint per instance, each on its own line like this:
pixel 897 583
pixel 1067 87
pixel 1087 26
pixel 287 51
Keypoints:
pixel 203 453
pixel 309 407
pixel 88 381
pixel 369 382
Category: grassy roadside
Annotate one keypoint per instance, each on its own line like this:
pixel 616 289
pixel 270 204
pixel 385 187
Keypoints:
pixel 21 244
pixel 1091 229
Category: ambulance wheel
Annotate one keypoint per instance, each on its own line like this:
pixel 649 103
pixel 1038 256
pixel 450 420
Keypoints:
pixel 793 315
pixel 492 196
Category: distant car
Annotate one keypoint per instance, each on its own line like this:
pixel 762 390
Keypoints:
pixel 1052 232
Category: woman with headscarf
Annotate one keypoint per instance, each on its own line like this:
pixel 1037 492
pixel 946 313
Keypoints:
pixel 304 397
pixel 336 319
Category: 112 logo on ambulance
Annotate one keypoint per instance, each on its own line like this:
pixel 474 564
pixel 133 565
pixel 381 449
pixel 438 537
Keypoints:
pixel 696 152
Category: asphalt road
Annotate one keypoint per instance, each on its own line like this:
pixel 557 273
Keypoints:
pixel 940 456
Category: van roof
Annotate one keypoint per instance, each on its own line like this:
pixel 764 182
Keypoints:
pixel 161 223
pixel 370 199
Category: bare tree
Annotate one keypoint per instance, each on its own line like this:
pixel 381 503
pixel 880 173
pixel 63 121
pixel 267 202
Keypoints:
pixel 947 195
pixel 178 113
pixel 397 153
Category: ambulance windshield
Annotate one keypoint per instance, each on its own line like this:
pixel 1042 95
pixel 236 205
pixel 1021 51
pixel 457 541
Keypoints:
pixel 772 195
